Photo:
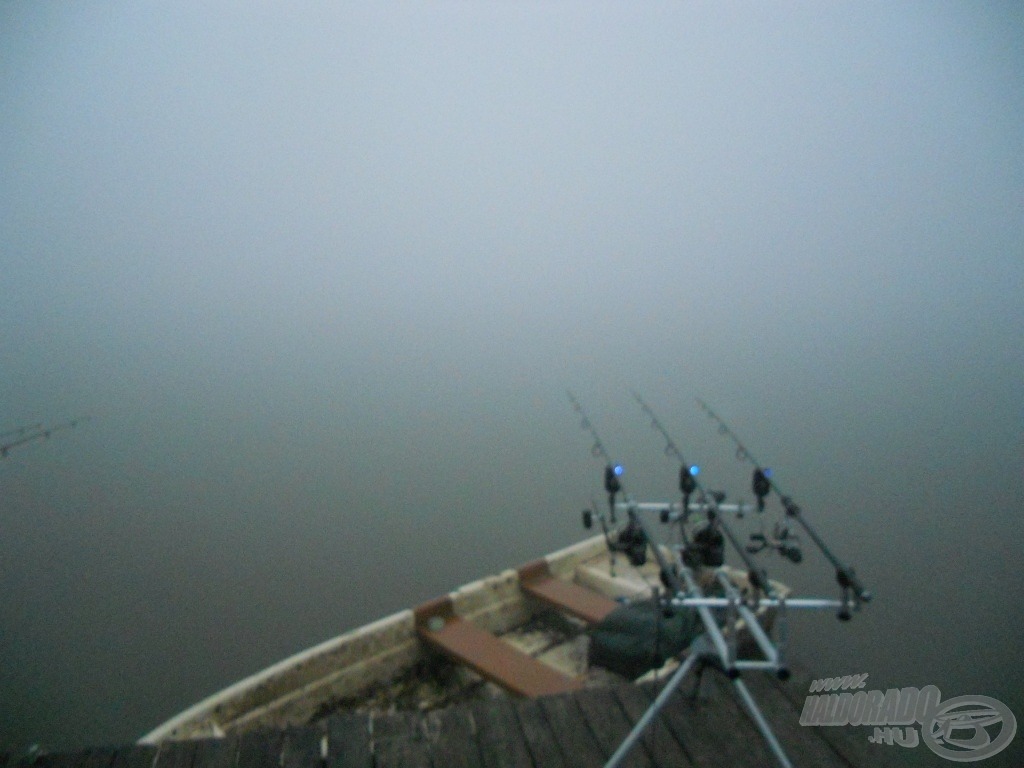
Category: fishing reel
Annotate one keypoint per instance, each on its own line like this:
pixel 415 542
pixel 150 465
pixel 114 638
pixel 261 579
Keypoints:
pixel 706 549
pixel 782 541
pixel 632 542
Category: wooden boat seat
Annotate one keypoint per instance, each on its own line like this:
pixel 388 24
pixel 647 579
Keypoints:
pixel 487 655
pixel 536 579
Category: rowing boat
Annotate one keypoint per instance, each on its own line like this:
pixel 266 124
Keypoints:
pixel 593 614
pixel 521 632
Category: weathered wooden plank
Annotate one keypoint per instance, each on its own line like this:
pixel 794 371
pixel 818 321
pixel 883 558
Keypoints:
pixel 801 744
pixel 486 654
pixel 609 724
pixel 499 736
pixel 301 748
pixel 452 736
pixel 710 726
pixel 580 729
pixel 98 757
pixel 135 756
pixel 846 746
pixel 536 579
pixel 399 742
pixel 54 760
pixel 722 691
pixel 657 739
pixel 348 741
pixel 539 739
pixel 574 737
pixel 259 749
pixel 850 743
pixel 216 753
pixel 175 754
pixel 21 760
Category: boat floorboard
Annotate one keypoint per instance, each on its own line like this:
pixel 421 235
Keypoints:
pixel 486 654
pixel 581 728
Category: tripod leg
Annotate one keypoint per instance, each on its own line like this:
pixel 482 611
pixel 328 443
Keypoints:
pixel 761 723
pixel 652 711
pixel 698 677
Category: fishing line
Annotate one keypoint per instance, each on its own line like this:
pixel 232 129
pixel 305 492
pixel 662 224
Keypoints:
pixel 763 483
pixel 39 433
pixel 633 538
pixel 22 430
pixel 688 483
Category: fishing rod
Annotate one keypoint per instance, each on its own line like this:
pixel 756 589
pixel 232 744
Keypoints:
pixel 19 431
pixel 718 647
pixel 688 483
pixel 35 432
pixel 763 483
pixel 613 470
pixel 780 540
pixel 633 539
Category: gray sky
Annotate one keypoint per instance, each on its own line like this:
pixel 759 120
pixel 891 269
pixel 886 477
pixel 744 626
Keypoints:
pixel 321 275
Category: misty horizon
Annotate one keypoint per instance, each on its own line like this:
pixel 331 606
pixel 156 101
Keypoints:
pixel 321 277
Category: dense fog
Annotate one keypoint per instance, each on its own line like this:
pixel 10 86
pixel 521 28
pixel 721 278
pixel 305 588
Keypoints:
pixel 319 276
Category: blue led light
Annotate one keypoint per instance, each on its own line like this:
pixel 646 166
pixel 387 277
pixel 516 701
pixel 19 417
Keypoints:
pixel 618 469
pixel 694 470
pixel 767 473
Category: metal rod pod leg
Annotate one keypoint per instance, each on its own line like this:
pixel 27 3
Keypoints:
pixel 651 712
pixel 762 724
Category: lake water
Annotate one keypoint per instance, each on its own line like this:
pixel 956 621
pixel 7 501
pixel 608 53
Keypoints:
pixel 141 577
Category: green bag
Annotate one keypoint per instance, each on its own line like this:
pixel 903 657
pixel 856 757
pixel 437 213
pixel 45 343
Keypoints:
pixel 641 636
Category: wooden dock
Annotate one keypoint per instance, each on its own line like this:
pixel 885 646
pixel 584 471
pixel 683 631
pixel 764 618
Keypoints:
pixel 581 728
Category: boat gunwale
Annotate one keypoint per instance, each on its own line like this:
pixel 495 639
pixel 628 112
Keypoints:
pixel 201 720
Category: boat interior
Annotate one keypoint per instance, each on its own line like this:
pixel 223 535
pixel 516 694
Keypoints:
pixel 522 632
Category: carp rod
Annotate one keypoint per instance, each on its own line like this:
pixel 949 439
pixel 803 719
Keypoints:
pixel 712 647
pixel 688 483
pixel 763 483
pixel 32 432
pixel 19 431
pixel 633 539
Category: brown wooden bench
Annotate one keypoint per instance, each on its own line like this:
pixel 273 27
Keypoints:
pixel 487 655
pixel 536 579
